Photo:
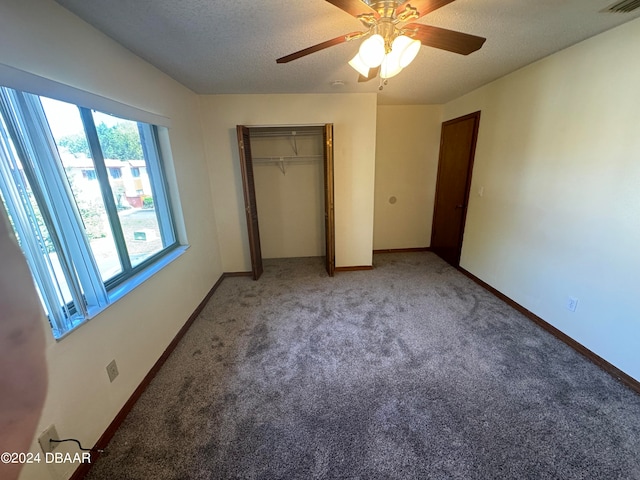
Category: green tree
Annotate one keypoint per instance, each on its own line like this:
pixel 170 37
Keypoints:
pixel 76 144
pixel 120 141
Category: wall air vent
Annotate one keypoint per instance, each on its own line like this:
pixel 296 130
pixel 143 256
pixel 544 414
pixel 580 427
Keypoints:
pixel 625 6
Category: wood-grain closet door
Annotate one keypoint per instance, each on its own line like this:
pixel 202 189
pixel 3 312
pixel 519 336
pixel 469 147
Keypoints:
pixel 251 209
pixel 329 214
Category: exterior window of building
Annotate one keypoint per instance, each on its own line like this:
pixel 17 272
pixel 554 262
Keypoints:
pixel 85 228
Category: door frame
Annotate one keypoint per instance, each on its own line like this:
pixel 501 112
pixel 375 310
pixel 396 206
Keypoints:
pixel 248 187
pixel 467 190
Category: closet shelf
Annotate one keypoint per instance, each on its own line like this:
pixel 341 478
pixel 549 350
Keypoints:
pixel 282 161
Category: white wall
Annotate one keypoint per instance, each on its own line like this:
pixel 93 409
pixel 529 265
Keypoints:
pixel 408 142
pixel 354 122
pixel 290 195
pixel 558 155
pixel 40 37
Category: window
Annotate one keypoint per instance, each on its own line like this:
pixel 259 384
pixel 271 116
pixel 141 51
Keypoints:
pixel 135 172
pixel 85 228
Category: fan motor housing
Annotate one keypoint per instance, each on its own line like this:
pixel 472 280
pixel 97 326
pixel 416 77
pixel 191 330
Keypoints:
pixel 385 8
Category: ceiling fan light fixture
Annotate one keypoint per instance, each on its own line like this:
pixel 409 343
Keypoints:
pixel 406 48
pixel 390 66
pixel 359 66
pixel 389 42
pixel 372 51
pixel 373 54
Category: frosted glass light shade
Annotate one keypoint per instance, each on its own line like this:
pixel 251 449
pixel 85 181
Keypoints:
pixel 357 63
pixel 406 49
pixel 372 51
pixel 390 66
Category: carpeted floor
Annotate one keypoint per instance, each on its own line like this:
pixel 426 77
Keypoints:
pixel 408 371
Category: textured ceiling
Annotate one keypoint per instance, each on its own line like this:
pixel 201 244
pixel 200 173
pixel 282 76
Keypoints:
pixel 230 46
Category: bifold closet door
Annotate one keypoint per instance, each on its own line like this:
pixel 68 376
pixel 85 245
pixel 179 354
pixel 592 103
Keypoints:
pixel 251 209
pixel 329 213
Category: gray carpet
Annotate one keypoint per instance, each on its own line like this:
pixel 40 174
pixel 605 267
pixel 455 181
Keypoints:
pixel 408 371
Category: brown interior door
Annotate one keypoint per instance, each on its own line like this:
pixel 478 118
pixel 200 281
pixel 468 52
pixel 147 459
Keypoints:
pixel 251 209
pixel 457 150
pixel 329 217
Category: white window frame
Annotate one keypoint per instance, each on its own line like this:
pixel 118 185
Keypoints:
pixel 26 136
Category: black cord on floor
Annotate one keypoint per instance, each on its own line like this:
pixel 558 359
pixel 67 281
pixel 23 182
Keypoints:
pixel 79 445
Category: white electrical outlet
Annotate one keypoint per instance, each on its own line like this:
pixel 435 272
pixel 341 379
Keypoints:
pixel 112 370
pixel 572 304
pixel 49 434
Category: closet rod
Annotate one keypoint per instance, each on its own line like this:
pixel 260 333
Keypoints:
pixel 286 157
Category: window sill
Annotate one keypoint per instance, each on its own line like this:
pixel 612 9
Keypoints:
pixel 129 285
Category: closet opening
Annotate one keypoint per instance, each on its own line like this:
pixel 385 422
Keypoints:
pixel 287 178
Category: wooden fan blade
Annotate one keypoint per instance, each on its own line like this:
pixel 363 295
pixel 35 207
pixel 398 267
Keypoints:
pixel 423 6
pixel 354 7
pixel 318 47
pixel 373 73
pixel 456 42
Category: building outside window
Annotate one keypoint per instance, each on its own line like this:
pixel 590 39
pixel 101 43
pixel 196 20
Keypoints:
pixel 89 174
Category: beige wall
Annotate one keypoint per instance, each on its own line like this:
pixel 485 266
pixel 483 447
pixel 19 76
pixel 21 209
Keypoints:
pixel 290 195
pixel 558 158
pixel 408 142
pixel 40 37
pixel 354 121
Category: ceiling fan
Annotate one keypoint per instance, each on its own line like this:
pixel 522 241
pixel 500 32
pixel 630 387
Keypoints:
pixel 391 43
